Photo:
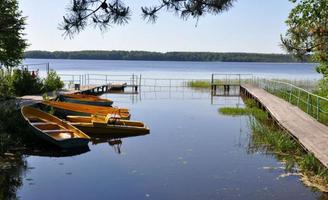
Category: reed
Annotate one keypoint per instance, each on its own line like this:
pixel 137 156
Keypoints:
pixel 202 83
pixel 199 84
pixel 267 137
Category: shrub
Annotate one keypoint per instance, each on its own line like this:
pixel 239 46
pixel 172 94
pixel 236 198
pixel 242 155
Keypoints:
pixel 52 82
pixel 23 82
pixel 6 91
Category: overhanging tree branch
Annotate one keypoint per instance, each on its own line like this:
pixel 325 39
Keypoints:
pixel 103 14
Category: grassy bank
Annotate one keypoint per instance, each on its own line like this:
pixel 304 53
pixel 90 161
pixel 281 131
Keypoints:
pixel 267 137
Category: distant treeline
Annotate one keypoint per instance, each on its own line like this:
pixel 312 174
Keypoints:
pixel 157 56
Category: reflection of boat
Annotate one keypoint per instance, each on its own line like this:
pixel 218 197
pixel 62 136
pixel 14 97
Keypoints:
pixel 106 125
pixel 80 109
pixel 53 129
pixel 84 99
pixel 113 142
pixel 55 152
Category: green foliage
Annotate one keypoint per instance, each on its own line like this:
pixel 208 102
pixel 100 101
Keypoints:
pixel 103 14
pixel 52 82
pixel 13 135
pixel 157 56
pixel 251 109
pixel 199 84
pixel 235 111
pixel 13 129
pixel 308 102
pixel 274 139
pixel 308 32
pixel 322 88
pixel 12 44
pixel 267 137
pixel 6 91
pixel 23 82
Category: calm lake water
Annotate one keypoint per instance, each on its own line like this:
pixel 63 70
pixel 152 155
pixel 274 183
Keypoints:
pixel 187 70
pixel 192 151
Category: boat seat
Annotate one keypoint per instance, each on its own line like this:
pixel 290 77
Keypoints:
pixel 112 117
pixel 42 123
pixel 57 131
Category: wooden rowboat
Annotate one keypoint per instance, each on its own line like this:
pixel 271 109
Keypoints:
pixel 85 99
pixel 107 125
pixel 82 96
pixel 87 110
pixel 53 129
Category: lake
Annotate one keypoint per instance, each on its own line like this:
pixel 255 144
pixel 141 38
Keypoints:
pixel 187 70
pixel 192 151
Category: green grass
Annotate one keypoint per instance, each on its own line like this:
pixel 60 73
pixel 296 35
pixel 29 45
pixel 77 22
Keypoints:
pixel 250 109
pixel 307 103
pixel 199 84
pixel 235 111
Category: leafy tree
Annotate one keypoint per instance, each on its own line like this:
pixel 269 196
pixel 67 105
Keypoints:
pixel 12 44
pixel 307 32
pixel 103 14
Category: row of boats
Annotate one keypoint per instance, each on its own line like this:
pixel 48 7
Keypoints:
pixel 71 119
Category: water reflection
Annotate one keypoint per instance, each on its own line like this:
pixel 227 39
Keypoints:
pixel 192 153
pixel 115 143
pixel 12 170
pixel 114 140
pixel 54 152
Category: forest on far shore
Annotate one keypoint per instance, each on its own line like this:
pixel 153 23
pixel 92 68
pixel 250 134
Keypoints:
pixel 158 56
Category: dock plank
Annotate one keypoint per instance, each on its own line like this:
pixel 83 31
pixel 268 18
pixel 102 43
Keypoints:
pixel 312 134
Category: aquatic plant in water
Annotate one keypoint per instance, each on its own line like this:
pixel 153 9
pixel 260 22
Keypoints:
pixel 267 137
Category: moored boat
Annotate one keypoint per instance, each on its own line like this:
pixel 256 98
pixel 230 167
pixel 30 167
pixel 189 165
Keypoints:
pixel 107 125
pixel 53 129
pixel 84 99
pixel 87 110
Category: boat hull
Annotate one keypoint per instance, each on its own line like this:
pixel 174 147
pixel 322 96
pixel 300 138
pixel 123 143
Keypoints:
pixel 109 130
pixel 86 102
pixel 65 108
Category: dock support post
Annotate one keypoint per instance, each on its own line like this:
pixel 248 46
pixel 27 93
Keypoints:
pixel 212 84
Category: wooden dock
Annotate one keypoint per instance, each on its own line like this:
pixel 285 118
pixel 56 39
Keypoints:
pixel 310 133
pixel 108 88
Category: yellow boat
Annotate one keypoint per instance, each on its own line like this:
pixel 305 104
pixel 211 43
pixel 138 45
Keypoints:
pixel 80 109
pixel 107 125
pixel 53 129
pixel 85 99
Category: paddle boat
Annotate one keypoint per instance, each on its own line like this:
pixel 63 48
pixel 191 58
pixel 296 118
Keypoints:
pixel 53 129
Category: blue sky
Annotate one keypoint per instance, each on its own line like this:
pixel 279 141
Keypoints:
pixel 250 26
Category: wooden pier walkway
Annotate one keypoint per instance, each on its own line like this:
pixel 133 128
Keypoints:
pixel 310 133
